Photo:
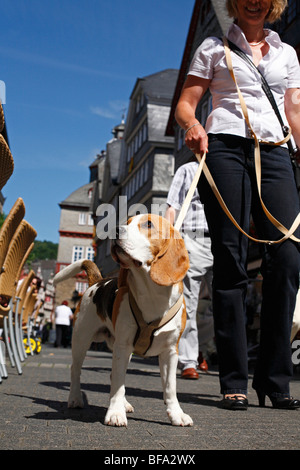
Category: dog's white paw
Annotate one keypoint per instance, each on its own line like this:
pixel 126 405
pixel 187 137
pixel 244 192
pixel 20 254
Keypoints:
pixel 128 407
pixel 179 418
pixel 115 417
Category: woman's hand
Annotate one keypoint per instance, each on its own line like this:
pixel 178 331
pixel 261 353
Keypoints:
pixel 196 139
pixel 195 136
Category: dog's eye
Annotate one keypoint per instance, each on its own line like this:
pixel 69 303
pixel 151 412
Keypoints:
pixel 148 225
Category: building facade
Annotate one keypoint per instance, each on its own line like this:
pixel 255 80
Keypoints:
pixel 76 235
pixel 139 162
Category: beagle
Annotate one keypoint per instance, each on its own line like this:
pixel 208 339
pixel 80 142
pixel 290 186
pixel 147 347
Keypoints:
pixel 141 311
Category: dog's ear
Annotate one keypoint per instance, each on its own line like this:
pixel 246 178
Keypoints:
pixel 171 263
pixel 122 280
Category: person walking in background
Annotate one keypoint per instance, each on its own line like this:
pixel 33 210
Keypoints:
pixel 230 142
pixel 197 241
pixel 63 317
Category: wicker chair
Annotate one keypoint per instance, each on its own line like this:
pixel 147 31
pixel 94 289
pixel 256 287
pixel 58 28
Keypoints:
pixel 18 309
pixel 18 249
pixel 28 307
pixel 21 292
pixel 2 120
pixel 4 312
pixel 6 162
pixel 7 232
pixel 9 227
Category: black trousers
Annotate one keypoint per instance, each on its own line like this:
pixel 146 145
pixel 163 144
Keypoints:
pixel 62 332
pixel 231 162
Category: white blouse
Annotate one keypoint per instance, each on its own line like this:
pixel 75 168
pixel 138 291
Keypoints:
pixel 280 68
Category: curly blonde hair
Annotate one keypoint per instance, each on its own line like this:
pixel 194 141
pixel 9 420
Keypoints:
pixel 276 10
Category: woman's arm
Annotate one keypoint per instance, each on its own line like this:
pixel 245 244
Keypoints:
pixel 292 111
pixel 192 92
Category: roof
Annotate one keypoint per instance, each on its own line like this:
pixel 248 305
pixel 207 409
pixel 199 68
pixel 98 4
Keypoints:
pixel 158 86
pixel 79 197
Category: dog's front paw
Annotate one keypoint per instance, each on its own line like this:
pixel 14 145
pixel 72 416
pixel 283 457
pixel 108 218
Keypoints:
pixel 179 418
pixel 75 401
pixel 128 407
pixel 115 417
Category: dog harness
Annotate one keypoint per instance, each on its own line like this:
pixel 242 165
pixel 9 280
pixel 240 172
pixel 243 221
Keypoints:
pixel 145 333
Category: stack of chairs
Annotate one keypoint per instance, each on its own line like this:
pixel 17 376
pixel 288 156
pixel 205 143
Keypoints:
pixel 33 340
pixel 27 320
pixel 16 242
pixel 22 303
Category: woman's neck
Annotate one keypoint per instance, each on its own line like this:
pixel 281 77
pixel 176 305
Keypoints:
pixel 254 33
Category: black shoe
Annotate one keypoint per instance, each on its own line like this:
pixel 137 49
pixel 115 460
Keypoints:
pixel 236 402
pixel 278 403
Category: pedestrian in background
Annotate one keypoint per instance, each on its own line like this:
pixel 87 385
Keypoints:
pixel 195 234
pixel 63 317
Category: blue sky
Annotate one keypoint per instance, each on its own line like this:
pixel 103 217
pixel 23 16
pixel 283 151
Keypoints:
pixel 69 67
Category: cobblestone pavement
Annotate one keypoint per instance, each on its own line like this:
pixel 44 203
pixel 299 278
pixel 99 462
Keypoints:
pixel 34 414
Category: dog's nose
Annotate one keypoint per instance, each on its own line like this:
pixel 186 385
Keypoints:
pixel 120 232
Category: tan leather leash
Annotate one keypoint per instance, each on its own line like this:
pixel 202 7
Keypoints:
pixel 288 233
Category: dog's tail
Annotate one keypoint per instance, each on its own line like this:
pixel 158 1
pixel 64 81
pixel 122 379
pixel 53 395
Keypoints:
pixel 92 271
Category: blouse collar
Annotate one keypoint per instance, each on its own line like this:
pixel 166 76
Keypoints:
pixel 237 36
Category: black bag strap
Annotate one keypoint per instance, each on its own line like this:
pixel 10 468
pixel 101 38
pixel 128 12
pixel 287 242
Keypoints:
pixel 267 90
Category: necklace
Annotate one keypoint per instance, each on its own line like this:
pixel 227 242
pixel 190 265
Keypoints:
pixel 257 43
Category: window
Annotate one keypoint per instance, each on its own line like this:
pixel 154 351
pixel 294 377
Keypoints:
pixel 142 176
pixel 145 132
pixel 90 219
pixel 77 253
pixel 90 193
pixel 139 103
pixel 82 218
pixel 81 287
pixel 137 141
pixel 90 253
pixel 137 180
pixel 146 168
pixel 129 152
